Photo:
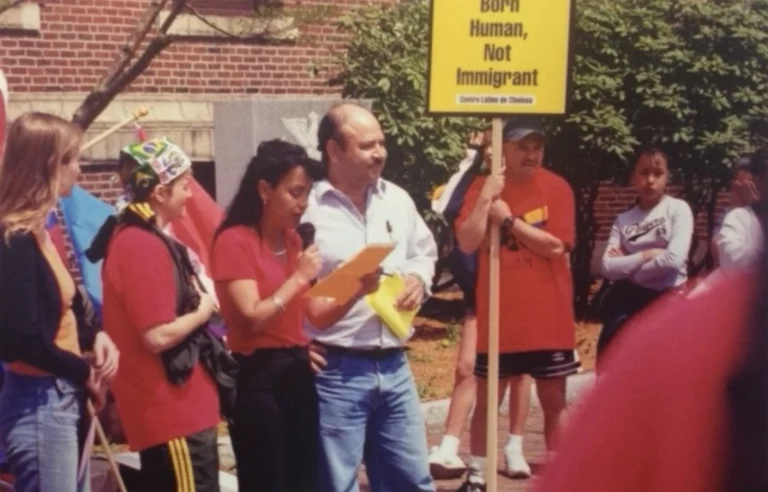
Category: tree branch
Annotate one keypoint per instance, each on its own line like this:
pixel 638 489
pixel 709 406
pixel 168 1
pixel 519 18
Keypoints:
pixel 120 75
pixel 255 37
pixel 156 46
pixel 178 6
pixel 96 102
pixel 8 5
pixel 128 50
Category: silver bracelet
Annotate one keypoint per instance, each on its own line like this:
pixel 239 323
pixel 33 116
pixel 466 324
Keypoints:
pixel 279 304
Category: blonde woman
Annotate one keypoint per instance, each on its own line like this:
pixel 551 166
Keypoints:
pixel 47 380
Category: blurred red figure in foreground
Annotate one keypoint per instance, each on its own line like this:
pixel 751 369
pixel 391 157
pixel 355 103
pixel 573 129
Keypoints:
pixel 658 419
pixel 684 402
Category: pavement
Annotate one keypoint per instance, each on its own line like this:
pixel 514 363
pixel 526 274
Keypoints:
pixel 533 441
pixel 533 447
pixel 434 413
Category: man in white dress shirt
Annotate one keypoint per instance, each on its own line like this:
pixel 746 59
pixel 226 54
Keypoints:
pixel 369 407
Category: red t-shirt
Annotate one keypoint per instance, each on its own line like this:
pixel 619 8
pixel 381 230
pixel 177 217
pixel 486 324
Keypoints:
pixel 535 293
pixel 658 418
pixel 140 294
pixel 239 254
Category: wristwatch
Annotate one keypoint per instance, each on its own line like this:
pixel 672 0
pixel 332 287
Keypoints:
pixel 508 222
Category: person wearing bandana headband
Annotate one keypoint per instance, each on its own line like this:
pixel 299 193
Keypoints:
pixel 133 159
pixel 172 426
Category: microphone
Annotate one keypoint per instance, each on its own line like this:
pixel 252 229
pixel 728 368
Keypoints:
pixel 306 230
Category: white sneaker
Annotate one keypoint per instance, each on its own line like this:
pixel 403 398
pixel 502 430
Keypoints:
pixel 517 467
pixel 443 466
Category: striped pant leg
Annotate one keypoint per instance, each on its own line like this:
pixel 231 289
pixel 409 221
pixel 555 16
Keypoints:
pixel 184 464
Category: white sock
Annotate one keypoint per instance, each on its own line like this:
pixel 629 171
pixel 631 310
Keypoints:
pixel 449 446
pixel 477 465
pixel 514 443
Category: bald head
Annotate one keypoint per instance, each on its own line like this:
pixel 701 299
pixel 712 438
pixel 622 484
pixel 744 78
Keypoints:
pixel 352 144
pixel 331 126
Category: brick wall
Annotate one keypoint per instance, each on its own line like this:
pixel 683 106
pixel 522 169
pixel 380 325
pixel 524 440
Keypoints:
pixel 79 38
pixel 98 180
pixel 614 199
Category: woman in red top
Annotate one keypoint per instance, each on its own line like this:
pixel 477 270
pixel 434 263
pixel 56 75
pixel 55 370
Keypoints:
pixel 261 274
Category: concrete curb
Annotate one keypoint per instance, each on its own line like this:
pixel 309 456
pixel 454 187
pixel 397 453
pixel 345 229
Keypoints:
pixel 436 412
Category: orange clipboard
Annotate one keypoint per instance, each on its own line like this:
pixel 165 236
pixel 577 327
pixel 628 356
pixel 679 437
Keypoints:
pixel 344 282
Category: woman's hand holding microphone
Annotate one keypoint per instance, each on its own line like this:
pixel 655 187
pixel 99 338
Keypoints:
pixel 309 264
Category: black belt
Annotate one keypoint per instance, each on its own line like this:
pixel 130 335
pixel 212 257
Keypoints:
pixel 263 354
pixel 373 353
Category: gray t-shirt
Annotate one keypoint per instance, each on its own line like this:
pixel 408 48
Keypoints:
pixel 667 226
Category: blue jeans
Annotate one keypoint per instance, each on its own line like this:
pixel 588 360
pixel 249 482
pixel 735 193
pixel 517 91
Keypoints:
pixel 369 408
pixel 40 419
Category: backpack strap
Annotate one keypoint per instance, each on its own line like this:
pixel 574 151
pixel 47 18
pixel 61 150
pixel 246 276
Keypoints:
pixel 456 199
pixel 187 299
pixel 180 272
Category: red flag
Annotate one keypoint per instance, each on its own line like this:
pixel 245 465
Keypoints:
pixel 201 219
pixel 141 133
pixel 57 236
pixel 3 112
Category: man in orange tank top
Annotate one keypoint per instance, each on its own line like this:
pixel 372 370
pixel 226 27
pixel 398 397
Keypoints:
pixel 535 209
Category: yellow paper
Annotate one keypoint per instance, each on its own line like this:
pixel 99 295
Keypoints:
pixel 383 304
pixel 344 282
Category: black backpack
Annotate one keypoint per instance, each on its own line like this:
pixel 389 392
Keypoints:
pixel 463 266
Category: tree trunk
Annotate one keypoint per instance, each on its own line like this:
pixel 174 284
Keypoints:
pixel 122 72
pixel 581 259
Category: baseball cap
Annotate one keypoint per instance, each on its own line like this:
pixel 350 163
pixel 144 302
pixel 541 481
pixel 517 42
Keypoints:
pixel 159 161
pixel 518 127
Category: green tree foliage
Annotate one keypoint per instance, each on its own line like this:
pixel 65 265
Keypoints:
pixel 386 62
pixel 689 75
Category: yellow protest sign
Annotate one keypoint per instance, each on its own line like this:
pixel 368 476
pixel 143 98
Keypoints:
pixel 496 57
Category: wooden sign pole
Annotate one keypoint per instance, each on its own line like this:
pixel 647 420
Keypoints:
pixel 491 431
pixel 461 60
pixel 136 116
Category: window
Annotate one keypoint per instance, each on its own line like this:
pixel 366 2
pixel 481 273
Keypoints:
pixel 205 174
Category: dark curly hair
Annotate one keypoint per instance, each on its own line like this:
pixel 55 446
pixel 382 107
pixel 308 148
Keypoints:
pixel 650 150
pixel 274 159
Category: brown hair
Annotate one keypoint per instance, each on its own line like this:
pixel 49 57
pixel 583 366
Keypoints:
pixel 38 144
